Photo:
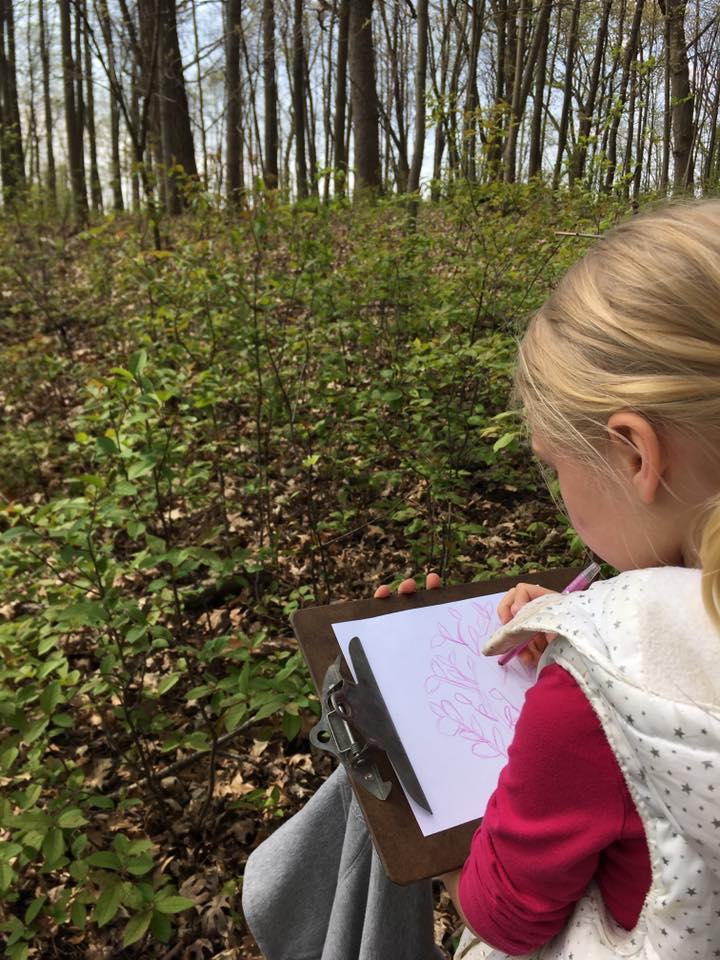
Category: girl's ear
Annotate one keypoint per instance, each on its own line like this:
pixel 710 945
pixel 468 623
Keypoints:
pixel 637 452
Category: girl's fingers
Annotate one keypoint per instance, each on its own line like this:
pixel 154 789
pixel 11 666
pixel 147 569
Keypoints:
pixel 503 608
pixel 408 586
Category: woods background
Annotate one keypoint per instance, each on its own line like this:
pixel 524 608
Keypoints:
pixel 311 97
pixel 263 266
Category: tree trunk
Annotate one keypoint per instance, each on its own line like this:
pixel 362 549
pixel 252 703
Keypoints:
pixel 178 150
pixel 420 79
pixel 298 100
pixel 11 150
pixel 628 60
pixel 116 178
pixel 33 137
pixel 74 133
pixel 395 97
pixel 339 124
pixel 682 99
pixel 135 121
pixel 51 177
pixel 567 94
pixel 536 124
pixel 472 99
pixel 587 108
pixel 495 126
pixel 364 97
pixel 201 98
pixel 523 82
pixel 95 187
pixel 310 130
pixel 233 132
pixel 270 173
pixel 79 93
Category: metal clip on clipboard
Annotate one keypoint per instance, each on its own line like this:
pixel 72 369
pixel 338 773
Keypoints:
pixel 354 719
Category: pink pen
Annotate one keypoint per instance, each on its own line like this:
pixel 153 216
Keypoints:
pixel 581 582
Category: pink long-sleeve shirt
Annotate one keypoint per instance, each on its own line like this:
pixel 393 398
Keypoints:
pixel 561 816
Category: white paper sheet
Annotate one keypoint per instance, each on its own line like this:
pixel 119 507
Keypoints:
pixel 454 709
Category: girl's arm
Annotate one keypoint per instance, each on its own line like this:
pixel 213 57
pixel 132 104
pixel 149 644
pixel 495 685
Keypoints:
pixel 561 801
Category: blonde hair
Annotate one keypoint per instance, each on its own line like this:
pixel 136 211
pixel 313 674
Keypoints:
pixel 634 325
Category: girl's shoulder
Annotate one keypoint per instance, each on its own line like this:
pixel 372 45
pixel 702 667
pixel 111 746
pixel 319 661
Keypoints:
pixel 653 625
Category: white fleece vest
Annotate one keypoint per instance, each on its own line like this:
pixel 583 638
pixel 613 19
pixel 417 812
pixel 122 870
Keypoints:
pixel 648 658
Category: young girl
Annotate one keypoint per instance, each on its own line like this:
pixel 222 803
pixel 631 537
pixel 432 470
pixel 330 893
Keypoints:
pixel 602 839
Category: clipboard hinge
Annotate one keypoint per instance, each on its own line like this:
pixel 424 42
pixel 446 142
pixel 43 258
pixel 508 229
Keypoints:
pixel 336 734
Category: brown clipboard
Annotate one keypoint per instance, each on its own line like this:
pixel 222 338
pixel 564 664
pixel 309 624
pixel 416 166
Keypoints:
pixel 405 853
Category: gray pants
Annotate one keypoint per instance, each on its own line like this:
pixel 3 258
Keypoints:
pixel 316 890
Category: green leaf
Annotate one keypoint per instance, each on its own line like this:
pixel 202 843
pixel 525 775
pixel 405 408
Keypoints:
pixel 161 927
pixel 105 859
pixel 7 876
pixel 53 846
pixel 504 441
pixel 51 696
pixel 34 909
pixel 173 904
pixel 141 468
pixel 71 818
pixel 137 927
pixel 137 362
pixel 168 682
pixel 139 866
pixel 291 725
pixel 18 951
pixel 108 904
pixel 125 489
pixel 78 914
pixel 106 445
pixel 235 715
pixel 33 731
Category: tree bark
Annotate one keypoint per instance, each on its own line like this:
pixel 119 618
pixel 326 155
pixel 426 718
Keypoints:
pixel 298 100
pixel 103 15
pixel 587 107
pixel 178 151
pixel 74 133
pixel 12 160
pixel 233 131
pixel 523 81
pixel 628 60
pixel 270 173
pixel 536 124
pixel 95 186
pixel 201 97
pixel 472 98
pixel 567 93
pixel 364 97
pixel 339 124
pixel 682 99
pixel 420 80
pixel 51 177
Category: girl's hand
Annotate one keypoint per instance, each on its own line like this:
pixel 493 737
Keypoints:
pixel 513 601
pixel 432 582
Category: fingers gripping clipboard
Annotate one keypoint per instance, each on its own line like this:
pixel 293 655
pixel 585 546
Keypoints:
pixel 354 726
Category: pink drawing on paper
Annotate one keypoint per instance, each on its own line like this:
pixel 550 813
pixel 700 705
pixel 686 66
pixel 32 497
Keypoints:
pixel 469 701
